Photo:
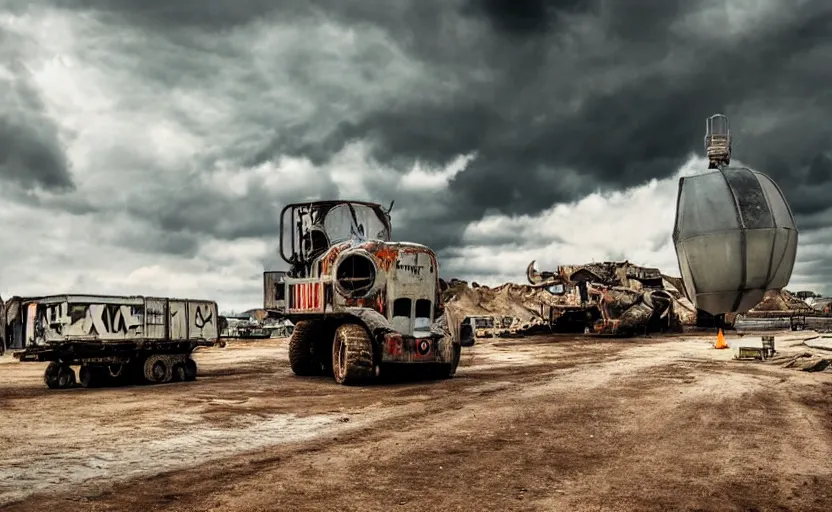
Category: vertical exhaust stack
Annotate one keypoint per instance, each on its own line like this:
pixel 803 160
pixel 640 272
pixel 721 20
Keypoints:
pixel 718 141
pixel 735 235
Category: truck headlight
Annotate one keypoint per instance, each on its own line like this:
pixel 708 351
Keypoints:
pixel 355 275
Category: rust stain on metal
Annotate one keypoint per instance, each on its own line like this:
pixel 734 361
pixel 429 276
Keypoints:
pixel 387 257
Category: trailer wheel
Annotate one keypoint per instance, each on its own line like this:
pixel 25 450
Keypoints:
pixel 66 377
pixel 179 372
pixel 157 369
pixel 190 369
pixel 301 349
pixel 352 354
pixel 91 376
pixel 50 376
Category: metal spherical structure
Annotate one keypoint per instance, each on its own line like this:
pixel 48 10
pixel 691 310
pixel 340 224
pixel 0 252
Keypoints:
pixel 735 238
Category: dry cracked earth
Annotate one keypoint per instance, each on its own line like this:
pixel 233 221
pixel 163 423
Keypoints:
pixel 541 423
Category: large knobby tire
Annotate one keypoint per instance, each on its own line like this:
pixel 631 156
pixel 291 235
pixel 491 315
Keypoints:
pixel 159 371
pixel 190 370
pixel 59 376
pixel 50 376
pixel 352 355
pixel 301 348
pixel 92 376
pixel 158 368
pixel 66 377
pixel 447 370
pixel 179 372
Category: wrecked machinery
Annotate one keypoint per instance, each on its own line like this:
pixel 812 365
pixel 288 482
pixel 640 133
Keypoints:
pixel 483 326
pixel 610 298
pixel 114 340
pixel 500 326
pixel 361 303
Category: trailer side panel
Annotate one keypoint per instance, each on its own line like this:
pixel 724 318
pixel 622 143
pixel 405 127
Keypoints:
pixel 202 320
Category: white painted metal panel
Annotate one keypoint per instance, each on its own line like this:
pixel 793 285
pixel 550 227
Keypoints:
pixel 31 320
pixel 154 318
pixel 178 319
pixel 202 320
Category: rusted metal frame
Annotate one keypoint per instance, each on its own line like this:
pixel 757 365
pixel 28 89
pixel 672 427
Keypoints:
pixel 290 282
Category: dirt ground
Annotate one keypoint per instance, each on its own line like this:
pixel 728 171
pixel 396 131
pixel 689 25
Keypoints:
pixel 542 423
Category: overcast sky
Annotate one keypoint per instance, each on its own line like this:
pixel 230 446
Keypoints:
pixel 146 146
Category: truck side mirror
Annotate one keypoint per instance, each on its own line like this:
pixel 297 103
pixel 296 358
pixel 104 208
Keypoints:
pixel 274 290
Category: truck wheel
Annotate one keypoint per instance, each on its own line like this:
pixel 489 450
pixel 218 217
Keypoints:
pixel 455 362
pixel 352 354
pixel 301 345
pixel 443 371
pixel 448 370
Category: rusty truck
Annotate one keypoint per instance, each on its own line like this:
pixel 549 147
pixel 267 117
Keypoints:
pixel 113 339
pixel 362 304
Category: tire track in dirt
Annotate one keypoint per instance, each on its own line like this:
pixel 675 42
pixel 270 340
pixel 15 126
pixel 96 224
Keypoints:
pixel 518 383
pixel 237 393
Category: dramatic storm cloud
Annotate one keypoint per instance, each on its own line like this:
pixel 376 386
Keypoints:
pixel 147 146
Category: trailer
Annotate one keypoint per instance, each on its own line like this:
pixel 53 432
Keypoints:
pixel 113 339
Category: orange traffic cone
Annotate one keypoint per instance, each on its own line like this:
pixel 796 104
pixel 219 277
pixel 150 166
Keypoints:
pixel 720 340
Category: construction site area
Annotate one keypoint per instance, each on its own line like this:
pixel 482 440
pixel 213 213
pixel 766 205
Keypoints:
pixel 546 422
pixel 367 382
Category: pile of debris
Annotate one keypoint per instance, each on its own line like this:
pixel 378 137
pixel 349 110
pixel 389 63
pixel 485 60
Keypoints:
pixel 804 361
pixel 600 298
pixel 783 310
pixel 777 302
pixel 509 310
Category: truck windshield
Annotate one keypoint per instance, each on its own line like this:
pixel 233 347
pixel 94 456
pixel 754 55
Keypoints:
pixel 346 221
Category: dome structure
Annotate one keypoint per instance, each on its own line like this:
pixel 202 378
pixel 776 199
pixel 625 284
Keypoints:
pixel 735 238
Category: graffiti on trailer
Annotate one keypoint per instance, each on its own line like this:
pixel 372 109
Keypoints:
pixel 59 320
pixel 200 320
pixel 155 316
